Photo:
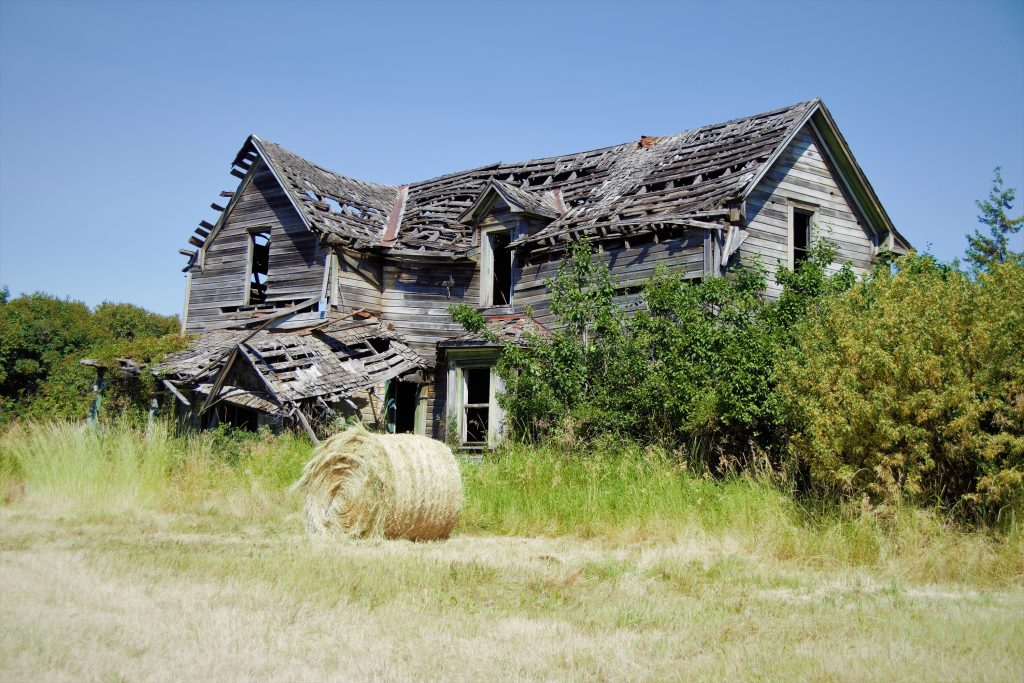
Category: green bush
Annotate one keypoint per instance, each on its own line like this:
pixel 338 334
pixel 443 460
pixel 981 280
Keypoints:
pixel 911 387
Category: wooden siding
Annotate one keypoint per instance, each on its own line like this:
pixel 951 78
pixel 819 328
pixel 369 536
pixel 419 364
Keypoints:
pixel 802 177
pixel 629 268
pixel 296 261
pixel 416 297
pixel 358 284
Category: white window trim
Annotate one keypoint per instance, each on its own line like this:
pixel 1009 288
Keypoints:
pixel 457 392
pixel 464 406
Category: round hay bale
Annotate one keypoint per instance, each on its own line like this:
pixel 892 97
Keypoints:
pixel 393 485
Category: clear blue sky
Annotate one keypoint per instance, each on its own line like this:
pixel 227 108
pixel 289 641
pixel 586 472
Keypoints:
pixel 118 121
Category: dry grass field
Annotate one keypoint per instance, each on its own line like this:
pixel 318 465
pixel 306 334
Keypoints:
pixel 199 570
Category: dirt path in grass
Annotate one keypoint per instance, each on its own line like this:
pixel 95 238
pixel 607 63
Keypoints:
pixel 153 599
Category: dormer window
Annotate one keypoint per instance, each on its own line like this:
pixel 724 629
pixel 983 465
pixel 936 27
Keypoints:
pixel 503 213
pixel 496 268
pixel 259 267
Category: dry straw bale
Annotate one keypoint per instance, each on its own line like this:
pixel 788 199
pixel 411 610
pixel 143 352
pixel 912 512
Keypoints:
pixel 393 485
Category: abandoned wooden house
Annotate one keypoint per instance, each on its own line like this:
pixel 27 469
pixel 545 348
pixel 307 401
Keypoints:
pixel 314 294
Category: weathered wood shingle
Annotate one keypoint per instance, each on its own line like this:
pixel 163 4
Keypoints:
pixel 332 361
pixel 620 190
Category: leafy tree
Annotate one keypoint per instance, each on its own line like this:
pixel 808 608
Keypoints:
pixel 985 250
pixel 127 321
pixel 36 332
pixel 43 337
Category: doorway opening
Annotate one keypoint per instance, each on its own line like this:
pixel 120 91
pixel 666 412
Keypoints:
pixel 400 401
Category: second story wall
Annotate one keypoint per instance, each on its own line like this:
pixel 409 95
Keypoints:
pixel 357 283
pixel 296 261
pixel 630 266
pixel 416 296
pixel 803 179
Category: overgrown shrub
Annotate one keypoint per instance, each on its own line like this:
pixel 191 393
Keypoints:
pixel 693 368
pixel 911 387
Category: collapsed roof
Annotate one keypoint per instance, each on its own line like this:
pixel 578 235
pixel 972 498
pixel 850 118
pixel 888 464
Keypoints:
pixel 274 369
pixel 681 180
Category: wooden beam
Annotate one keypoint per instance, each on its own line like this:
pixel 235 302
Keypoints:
pixel 177 394
pixel 266 383
pixel 216 207
pixel 219 381
pixel 238 174
pixel 369 277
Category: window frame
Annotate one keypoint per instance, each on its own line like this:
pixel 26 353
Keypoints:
pixel 487 260
pixel 250 253
pixel 465 406
pixel 795 209
pixel 459 361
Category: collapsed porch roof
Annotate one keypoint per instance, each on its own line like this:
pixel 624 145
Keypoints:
pixel 331 361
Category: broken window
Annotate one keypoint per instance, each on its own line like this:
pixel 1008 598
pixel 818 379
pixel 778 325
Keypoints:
pixel 476 406
pixel 400 403
pixel 259 266
pixel 499 267
pixel 801 235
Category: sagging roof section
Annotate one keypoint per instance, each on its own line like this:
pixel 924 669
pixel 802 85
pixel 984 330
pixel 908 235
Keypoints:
pixel 331 204
pixel 674 180
pixel 331 362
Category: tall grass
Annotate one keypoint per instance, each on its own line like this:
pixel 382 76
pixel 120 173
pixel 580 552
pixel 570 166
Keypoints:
pixel 608 491
pixel 627 493
pixel 613 493
pixel 106 468
pixel 112 468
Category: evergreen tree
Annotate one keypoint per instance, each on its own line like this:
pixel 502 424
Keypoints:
pixel 983 250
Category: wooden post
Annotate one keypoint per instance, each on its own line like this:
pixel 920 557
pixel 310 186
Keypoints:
pixel 219 382
pixel 97 390
pixel 305 424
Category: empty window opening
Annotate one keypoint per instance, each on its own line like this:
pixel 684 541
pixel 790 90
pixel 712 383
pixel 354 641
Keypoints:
pixel 400 402
pixel 501 269
pixel 259 266
pixel 801 235
pixel 476 416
